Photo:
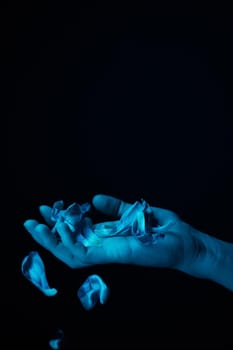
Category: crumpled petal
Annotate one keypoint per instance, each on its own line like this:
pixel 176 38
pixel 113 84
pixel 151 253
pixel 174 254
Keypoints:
pixel 140 219
pixel 72 216
pixel 93 290
pixel 75 217
pixel 58 342
pixel 136 221
pixel 33 269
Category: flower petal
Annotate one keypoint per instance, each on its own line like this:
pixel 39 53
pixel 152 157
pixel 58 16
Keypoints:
pixel 57 343
pixel 136 221
pixel 33 269
pixel 93 290
pixel 75 217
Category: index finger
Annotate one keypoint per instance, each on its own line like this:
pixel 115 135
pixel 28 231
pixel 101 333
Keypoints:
pixel 42 235
pixel 110 205
pixel 116 207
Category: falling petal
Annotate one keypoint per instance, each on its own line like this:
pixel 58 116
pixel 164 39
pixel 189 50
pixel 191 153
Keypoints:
pixel 58 342
pixel 91 291
pixel 33 269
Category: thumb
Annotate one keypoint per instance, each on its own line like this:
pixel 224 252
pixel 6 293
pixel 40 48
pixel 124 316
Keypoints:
pixel 110 205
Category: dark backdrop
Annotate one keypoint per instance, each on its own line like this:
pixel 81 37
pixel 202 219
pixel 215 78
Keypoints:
pixel 131 102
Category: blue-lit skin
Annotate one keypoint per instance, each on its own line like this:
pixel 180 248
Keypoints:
pixel 168 252
pixel 33 269
pixel 182 247
pixel 92 291
pixel 58 342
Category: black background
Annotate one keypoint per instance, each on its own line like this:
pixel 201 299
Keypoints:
pixel 131 101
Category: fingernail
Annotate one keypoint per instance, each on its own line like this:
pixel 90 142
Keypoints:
pixel 28 223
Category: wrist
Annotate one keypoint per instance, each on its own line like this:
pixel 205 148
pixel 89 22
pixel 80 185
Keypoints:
pixel 213 260
pixel 220 260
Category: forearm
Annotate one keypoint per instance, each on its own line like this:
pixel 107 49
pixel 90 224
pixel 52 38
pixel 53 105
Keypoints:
pixel 220 259
pixel 215 261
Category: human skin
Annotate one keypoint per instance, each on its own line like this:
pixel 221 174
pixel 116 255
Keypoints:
pixel 183 247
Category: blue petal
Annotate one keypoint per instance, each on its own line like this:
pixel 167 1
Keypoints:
pixel 137 221
pixel 75 217
pixel 57 343
pixel 93 290
pixel 33 269
pixel 57 207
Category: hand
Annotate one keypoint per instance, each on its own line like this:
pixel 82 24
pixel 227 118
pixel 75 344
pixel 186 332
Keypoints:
pixel 179 249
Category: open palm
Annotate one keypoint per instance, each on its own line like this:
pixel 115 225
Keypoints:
pixel 178 248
